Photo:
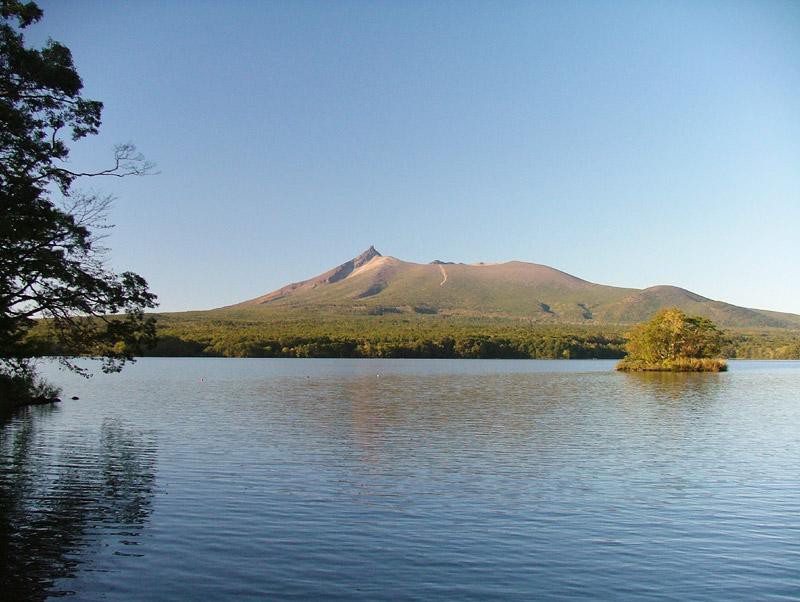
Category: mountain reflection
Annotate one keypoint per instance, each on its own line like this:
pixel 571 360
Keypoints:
pixel 517 423
pixel 389 418
pixel 58 498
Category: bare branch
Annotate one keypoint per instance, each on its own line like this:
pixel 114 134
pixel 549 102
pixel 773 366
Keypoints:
pixel 127 162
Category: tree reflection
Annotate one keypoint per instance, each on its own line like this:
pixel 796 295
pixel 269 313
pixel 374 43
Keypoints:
pixel 57 498
pixel 674 386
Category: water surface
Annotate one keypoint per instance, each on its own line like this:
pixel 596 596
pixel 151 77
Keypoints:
pixel 216 479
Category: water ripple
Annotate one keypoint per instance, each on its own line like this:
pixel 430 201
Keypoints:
pixel 403 480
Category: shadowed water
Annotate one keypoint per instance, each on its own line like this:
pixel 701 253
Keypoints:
pixel 405 480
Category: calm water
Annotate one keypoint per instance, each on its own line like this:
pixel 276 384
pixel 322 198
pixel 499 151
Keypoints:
pixel 212 479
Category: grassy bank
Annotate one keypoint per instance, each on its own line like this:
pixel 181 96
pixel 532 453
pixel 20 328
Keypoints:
pixel 679 365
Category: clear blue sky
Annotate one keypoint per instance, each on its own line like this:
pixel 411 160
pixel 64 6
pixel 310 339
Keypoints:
pixel 628 143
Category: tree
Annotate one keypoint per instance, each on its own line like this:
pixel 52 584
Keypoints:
pixel 51 261
pixel 673 339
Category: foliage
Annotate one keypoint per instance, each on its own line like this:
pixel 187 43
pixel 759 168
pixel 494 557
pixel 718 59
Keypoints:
pixel 196 334
pixel 669 339
pixel 764 344
pixel 51 262
pixel 422 336
pixel 23 384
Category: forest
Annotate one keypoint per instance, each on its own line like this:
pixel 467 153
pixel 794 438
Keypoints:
pixel 419 337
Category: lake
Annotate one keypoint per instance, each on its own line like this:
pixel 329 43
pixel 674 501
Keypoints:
pixel 274 479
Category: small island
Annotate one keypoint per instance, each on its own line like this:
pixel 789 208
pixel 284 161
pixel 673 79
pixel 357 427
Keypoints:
pixel 674 342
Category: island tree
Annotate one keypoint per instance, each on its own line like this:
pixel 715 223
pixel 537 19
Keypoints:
pixel 672 340
pixel 52 264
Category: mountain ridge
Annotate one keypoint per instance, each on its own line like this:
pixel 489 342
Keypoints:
pixel 372 283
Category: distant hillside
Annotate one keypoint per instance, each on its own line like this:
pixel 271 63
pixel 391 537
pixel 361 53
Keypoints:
pixel 373 284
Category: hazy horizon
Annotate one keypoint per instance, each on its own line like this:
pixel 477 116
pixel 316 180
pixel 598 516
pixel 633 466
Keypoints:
pixel 629 144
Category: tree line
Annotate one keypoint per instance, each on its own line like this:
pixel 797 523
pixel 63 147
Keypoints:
pixel 381 338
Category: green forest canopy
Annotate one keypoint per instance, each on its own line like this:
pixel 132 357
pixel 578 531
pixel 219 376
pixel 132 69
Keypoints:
pixel 421 336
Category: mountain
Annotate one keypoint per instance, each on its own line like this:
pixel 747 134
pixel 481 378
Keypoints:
pixel 374 284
